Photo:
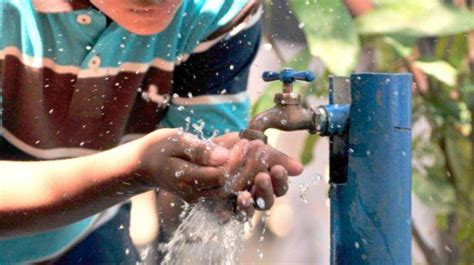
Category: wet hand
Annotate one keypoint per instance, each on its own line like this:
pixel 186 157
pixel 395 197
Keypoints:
pixel 257 171
pixel 182 164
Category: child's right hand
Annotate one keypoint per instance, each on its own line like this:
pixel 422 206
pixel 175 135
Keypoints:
pixel 182 164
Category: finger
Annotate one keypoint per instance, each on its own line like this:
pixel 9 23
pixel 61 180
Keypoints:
pixel 263 192
pixel 245 206
pixel 253 164
pixel 237 156
pixel 195 176
pixel 293 166
pixel 204 153
pixel 227 140
pixel 279 177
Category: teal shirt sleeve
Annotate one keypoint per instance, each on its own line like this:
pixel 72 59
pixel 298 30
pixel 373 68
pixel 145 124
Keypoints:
pixel 201 18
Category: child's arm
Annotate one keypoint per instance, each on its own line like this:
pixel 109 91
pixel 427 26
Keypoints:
pixel 37 196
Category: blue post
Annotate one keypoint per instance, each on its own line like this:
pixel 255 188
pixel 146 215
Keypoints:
pixel 371 209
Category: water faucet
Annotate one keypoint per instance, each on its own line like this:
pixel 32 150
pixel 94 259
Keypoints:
pixel 287 114
pixel 368 122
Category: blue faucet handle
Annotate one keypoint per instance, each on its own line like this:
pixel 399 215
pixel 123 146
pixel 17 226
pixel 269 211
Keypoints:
pixel 288 76
pixel 269 76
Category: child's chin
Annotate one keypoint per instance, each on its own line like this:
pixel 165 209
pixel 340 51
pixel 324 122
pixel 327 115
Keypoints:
pixel 145 30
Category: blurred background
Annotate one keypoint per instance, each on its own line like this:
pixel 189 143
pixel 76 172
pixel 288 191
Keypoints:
pixel 433 40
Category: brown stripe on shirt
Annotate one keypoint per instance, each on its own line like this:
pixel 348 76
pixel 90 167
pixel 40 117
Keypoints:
pixel 49 110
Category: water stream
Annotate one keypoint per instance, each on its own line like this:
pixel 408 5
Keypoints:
pixel 206 237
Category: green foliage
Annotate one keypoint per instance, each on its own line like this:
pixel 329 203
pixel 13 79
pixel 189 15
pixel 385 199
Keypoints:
pixel 429 181
pixel 330 33
pixel 414 18
pixel 453 49
pixel 402 45
pixel 440 70
pixel 468 95
pixel 307 154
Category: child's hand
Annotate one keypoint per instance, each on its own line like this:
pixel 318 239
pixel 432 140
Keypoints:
pixel 182 164
pixel 258 170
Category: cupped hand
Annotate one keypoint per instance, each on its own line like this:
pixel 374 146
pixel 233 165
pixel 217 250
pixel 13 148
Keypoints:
pixel 182 164
pixel 257 172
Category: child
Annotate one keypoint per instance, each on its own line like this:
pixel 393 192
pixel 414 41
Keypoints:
pixel 79 78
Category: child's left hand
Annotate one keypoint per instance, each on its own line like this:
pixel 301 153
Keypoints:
pixel 259 172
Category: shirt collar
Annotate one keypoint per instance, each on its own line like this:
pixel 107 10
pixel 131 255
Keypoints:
pixel 60 6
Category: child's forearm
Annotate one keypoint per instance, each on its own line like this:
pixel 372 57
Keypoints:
pixel 36 196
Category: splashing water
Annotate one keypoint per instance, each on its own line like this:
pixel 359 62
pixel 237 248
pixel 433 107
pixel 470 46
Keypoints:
pixel 303 192
pixel 210 233
pixel 206 237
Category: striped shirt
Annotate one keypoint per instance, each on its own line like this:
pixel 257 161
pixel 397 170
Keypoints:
pixel 73 84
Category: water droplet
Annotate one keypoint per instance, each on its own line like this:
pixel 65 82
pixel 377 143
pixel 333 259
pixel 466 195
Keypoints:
pixel 260 203
pixel 178 173
pixel 303 190
pixel 448 249
pixel 267 46
pixel 315 179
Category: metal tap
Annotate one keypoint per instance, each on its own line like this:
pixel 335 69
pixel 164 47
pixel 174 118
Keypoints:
pixel 287 114
pixel 368 120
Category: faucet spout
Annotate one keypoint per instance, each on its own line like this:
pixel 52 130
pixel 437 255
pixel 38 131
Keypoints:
pixel 281 117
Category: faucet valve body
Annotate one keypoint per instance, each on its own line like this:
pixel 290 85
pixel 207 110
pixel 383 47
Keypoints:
pixel 288 114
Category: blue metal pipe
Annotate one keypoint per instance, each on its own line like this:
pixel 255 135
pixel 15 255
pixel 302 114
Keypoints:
pixel 371 210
